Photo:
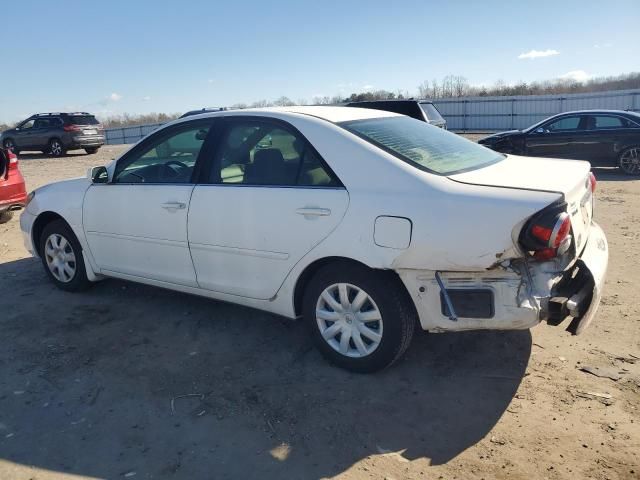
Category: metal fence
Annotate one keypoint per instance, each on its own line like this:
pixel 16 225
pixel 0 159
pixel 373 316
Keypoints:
pixel 117 136
pixel 516 112
pixel 481 114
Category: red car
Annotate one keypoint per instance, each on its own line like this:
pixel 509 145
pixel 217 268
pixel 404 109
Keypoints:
pixel 13 195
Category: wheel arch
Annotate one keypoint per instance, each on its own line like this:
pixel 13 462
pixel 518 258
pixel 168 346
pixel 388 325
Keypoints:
pixel 310 270
pixel 44 219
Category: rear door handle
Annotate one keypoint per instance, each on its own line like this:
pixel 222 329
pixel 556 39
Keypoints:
pixel 174 206
pixel 313 212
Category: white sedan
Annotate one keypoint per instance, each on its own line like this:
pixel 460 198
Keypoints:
pixel 364 223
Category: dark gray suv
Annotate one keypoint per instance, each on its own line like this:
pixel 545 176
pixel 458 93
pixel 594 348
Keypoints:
pixel 55 133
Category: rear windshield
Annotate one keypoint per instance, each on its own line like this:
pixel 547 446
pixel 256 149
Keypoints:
pixel 431 112
pixel 422 145
pixel 82 120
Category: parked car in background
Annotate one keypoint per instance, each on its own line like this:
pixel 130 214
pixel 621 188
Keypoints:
pixel 365 223
pixel 55 134
pixel 602 137
pixel 13 194
pixel 422 110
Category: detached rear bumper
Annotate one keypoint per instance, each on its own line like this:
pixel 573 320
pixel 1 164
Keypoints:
pixel 515 297
pixel 579 292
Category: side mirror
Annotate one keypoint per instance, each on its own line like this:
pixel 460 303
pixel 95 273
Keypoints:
pixel 540 130
pixel 98 175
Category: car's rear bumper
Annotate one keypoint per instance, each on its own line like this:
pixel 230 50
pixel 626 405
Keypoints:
pixel 13 194
pixel 87 141
pixel 520 296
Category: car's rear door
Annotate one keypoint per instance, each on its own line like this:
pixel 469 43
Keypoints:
pixel 607 133
pixel 136 224
pixel 557 138
pixel 265 200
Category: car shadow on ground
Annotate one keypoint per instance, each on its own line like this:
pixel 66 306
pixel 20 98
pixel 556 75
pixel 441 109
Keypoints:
pixel 96 384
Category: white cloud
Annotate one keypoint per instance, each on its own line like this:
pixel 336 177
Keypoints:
pixel 603 45
pixel 577 75
pixel 368 87
pixel 146 98
pixel 538 54
pixel 114 97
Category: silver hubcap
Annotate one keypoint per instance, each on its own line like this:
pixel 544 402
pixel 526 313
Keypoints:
pixel 630 161
pixel 60 258
pixel 349 320
pixel 56 148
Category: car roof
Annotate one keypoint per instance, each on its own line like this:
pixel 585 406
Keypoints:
pixel 391 100
pixel 333 114
pixel 596 111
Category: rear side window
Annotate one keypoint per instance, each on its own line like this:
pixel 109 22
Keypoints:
pixel 42 123
pixel 603 122
pixel 82 120
pixel 431 112
pixel 260 153
pixel 422 145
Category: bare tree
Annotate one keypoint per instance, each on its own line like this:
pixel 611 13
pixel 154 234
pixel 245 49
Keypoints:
pixel 423 89
pixel 283 102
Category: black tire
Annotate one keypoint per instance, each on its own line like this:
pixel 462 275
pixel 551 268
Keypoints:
pixel 396 309
pixel 91 150
pixel 629 161
pixel 56 148
pixel 5 216
pixel 78 281
pixel 9 144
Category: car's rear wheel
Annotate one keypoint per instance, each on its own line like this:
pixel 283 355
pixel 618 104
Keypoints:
pixel 62 257
pixel 6 216
pixel 361 320
pixel 629 161
pixel 56 148
pixel 91 150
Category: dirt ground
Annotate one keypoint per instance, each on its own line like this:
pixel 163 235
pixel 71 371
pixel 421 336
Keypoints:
pixel 129 381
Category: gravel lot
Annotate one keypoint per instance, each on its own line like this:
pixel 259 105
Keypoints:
pixel 95 384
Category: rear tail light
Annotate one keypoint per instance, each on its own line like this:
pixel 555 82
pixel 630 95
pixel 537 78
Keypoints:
pixel 71 128
pixel 13 160
pixel 592 182
pixel 547 234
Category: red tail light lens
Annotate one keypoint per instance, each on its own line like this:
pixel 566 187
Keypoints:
pixel 71 128
pixel 547 233
pixel 592 182
pixel 13 160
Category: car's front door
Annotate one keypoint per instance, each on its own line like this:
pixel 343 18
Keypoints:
pixel 24 134
pixel 268 200
pixel 136 224
pixel 556 138
pixel 40 133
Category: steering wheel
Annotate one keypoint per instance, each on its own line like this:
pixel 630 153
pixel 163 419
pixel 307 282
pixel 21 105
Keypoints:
pixel 177 163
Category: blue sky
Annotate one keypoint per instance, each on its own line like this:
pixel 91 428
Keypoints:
pixel 111 57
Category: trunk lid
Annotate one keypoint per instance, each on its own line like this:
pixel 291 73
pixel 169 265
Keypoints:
pixel 567 177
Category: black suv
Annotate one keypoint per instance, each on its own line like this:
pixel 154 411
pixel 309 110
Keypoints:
pixel 55 133
pixel 422 110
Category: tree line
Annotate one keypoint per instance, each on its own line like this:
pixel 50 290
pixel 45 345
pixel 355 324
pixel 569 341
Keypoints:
pixel 447 87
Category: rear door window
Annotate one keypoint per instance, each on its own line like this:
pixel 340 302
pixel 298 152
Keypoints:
pixel 601 122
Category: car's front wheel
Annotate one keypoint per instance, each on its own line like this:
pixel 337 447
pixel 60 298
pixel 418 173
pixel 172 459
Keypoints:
pixel 9 145
pixel 629 161
pixel 91 150
pixel 361 320
pixel 56 148
pixel 62 257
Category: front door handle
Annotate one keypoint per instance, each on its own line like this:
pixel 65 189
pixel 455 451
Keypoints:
pixel 174 206
pixel 313 212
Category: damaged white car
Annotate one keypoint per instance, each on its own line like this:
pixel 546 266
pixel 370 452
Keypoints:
pixel 365 223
